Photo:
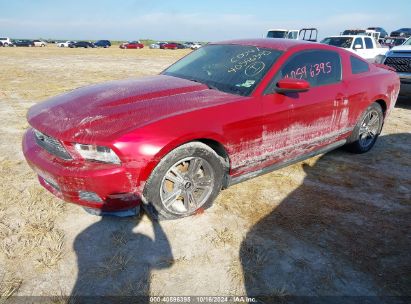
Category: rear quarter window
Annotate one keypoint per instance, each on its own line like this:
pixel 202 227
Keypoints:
pixel 358 66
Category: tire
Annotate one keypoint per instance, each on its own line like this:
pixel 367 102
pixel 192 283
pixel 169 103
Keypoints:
pixel 174 175
pixel 367 130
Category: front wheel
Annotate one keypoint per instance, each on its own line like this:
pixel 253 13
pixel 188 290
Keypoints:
pixel 187 179
pixel 366 131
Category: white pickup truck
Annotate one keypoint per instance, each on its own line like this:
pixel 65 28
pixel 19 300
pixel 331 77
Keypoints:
pixel 364 46
pixel 6 41
pixel 308 34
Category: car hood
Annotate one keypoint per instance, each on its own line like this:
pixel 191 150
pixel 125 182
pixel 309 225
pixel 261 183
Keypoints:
pixel 401 48
pixel 105 111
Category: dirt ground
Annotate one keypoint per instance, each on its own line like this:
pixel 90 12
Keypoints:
pixel 337 224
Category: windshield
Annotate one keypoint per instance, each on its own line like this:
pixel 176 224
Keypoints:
pixel 344 42
pixel 233 69
pixel 408 42
pixel 276 34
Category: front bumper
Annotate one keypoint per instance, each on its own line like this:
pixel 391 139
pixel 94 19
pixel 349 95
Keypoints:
pixel 106 187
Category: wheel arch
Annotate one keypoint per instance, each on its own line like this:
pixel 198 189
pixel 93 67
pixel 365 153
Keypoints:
pixel 383 105
pixel 215 142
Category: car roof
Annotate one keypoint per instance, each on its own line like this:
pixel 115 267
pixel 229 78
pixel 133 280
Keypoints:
pixel 349 36
pixel 272 43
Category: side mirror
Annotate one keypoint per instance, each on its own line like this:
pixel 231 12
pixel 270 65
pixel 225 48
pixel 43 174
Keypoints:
pixel 292 85
pixel 357 46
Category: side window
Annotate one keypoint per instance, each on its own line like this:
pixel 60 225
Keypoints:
pixel 292 35
pixel 358 66
pixel 368 43
pixel 358 41
pixel 318 67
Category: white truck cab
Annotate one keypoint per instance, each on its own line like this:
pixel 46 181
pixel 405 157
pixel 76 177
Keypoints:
pixel 6 41
pixel 279 33
pixel 365 46
pixel 309 34
pixel 374 34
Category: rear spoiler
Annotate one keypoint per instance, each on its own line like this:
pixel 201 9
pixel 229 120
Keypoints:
pixel 383 66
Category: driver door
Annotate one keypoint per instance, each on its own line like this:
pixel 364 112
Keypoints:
pixel 315 117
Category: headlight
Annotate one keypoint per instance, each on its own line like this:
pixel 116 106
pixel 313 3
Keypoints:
pixel 97 153
pixel 379 59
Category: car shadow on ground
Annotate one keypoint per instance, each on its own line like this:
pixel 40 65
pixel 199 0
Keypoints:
pixel 343 232
pixel 115 260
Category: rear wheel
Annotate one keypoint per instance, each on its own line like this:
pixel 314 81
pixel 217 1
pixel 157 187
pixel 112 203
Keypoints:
pixel 186 180
pixel 367 130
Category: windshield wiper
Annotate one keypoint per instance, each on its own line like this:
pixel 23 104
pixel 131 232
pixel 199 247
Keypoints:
pixel 210 86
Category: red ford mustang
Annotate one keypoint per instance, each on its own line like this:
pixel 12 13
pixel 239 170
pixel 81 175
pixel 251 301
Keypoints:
pixel 224 113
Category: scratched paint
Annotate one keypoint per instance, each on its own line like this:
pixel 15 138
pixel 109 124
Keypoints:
pixel 297 137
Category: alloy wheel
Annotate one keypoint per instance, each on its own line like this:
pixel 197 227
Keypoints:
pixel 369 128
pixel 187 185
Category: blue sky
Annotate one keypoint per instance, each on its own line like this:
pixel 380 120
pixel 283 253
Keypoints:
pixel 192 20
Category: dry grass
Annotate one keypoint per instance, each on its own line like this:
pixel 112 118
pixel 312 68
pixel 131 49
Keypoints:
pixel 119 238
pixel 28 214
pixel 8 286
pixel 112 265
pixel 222 237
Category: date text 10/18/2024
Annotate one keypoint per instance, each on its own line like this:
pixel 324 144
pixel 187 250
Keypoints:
pixel 202 299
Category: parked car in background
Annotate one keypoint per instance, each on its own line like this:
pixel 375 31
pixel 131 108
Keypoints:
pixel 162 43
pixel 132 45
pixel 353 32
pixel 188 44
pixel 402 32
pixel 65 44
pixel 196 45
pixel 6 41
pixel 393 41
pixel 39 43
pixel 399 58
pixel 225 113
pixel 383 33
pixel 81 44
pixel 368 32
pixel 102 43
pixel 155 45
pixel 1 44
pixel 364 46
pixel 172 46
pixel 28 43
